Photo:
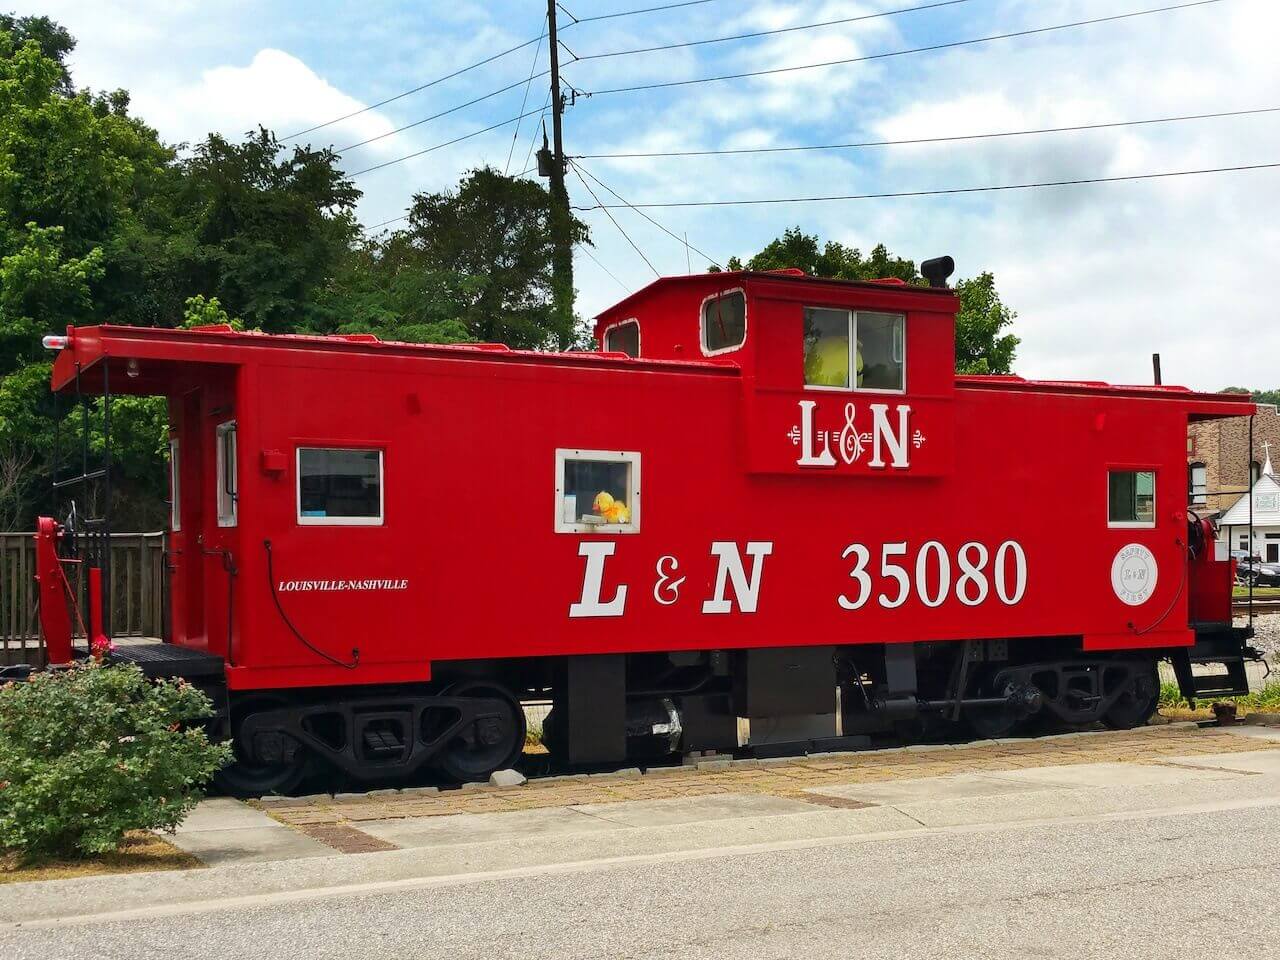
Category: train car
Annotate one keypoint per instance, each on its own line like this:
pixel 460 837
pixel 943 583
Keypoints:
pixel 766 496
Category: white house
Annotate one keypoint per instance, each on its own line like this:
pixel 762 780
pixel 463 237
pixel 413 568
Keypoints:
pixel 1234 525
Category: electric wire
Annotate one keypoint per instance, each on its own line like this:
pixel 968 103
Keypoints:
pixel 406 93
pixel 533 141
pixel 682 241
pixel 609 213
pixel 632 13
pixel 900 53
pixel 923 140
pixel 440 146
pixel 938 192
pixel 587 250
pixel 537 52
pixel 765 33
pixel 480 63
pixel 443 113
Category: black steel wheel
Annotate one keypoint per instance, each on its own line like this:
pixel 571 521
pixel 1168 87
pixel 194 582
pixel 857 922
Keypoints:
pixel 491 743
pixel 988 723
pixel 247 777
pixel 1141 696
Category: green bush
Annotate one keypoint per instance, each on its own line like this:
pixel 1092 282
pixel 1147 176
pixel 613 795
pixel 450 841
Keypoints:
pixel 89 753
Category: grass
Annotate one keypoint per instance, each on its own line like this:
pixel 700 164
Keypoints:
pixel 140 851
pixel 1266 700
pixel 1259 593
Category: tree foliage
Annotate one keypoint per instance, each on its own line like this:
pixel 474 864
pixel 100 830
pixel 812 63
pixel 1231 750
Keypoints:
pixel 490 242
pixel 101 222
pixel 983 343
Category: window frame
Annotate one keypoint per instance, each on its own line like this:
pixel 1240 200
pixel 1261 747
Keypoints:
pixel 604 337
pixel 852 316
pixel 629 457
pixel 227 483
pixel 1202 498
pixel 702 322
pixel 1132 524
pixel 326 521
pixel 175 485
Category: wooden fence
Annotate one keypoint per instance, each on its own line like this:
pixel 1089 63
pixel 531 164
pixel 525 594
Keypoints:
pixel 138 591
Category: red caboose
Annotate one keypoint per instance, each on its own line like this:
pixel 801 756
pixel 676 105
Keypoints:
pixel 769 497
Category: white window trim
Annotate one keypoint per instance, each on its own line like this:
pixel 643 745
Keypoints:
pixel 233 493
pixel 604 339
pixel 377 521
pixel 853 340
pixel 175 486
pixel 1131 524
pixel 702 323
pixel 602 456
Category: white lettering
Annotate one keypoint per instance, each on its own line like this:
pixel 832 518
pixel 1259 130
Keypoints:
pixel 593 580
pixel 807 457
pixel 881 430
pixel 731 568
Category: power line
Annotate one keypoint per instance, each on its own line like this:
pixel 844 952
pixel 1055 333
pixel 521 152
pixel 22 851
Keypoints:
pixel 400 96
pixel 440 146
pixel 443 113
pixel 768 33
pixel 922 140
pixel 537 51
pixel 608 213
pixel 587 250
pixel 934 193
pixel 900 53
pixel 632 13
pixel 533 141
pixel 682 241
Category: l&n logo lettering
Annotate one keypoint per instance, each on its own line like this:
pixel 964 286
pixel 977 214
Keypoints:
pixel 889 436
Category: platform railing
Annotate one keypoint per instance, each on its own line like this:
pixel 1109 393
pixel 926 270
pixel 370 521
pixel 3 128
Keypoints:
pixel 139 591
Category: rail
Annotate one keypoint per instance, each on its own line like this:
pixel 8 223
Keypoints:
pixel 138 587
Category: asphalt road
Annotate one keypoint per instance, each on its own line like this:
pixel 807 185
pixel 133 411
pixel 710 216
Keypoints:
pixel 1145 885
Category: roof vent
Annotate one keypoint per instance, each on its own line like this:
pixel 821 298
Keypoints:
pixel 937 270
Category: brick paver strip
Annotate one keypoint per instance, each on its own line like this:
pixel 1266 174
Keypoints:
pixel 788 779
pixel 345 839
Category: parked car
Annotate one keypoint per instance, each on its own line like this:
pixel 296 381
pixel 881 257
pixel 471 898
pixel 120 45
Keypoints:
pixel 1252 570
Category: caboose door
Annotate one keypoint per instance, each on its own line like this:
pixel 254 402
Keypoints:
pixel 186 519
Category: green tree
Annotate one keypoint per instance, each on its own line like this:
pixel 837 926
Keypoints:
pixel 263 228
pixel 489 242
pixel 983 343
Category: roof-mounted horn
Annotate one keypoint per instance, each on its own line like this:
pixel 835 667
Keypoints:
pixel 937 270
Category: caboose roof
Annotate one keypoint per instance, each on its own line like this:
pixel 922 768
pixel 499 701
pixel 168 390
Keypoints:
pixel 88 346
pixel 730 277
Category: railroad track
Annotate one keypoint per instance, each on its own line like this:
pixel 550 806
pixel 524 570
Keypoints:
pixel 1259 606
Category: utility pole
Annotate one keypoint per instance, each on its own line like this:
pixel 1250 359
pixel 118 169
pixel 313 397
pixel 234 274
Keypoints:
pixel 561 218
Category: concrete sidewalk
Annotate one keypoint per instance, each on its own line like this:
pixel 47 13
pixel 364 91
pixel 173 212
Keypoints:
pixel 258 860
pixel 223 831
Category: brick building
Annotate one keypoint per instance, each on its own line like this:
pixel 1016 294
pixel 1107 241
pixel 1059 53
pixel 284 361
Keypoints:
pixel 1219 468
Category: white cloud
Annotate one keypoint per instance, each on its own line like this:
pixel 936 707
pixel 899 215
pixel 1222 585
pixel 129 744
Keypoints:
pixel 276 90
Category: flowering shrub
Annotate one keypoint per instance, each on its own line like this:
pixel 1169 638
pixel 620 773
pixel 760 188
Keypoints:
pixel 89 753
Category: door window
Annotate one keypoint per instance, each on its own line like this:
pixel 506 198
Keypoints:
pixel 175 487
pixel 228 488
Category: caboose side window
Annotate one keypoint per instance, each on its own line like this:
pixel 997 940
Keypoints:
pixel 623 338
pixel 175 487
pixel 597 491
pixel 846 350
pixel 339 487
pixel 226 466
pixel 724 322
pixel 1131 498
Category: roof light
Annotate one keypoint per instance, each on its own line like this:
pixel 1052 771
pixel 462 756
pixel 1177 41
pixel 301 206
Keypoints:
pixel 55 341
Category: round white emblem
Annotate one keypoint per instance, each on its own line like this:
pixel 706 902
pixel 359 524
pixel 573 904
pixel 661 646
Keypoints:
pixel 1134 573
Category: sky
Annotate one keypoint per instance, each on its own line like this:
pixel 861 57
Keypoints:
pixel 1101 276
